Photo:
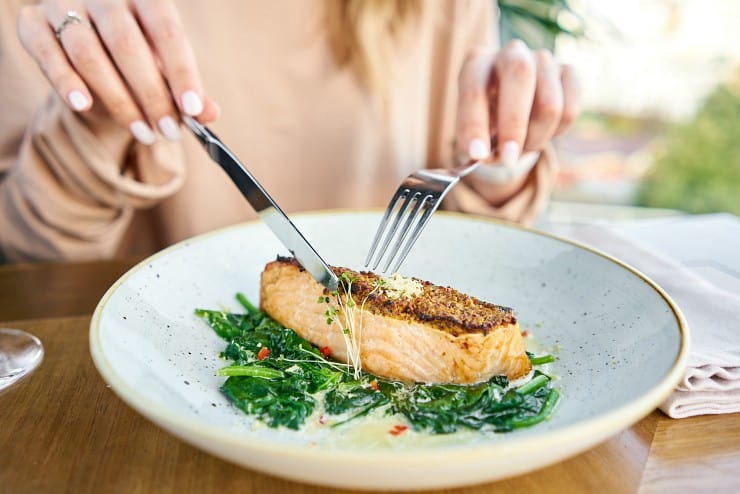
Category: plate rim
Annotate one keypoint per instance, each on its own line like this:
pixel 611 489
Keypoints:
pixel 590 432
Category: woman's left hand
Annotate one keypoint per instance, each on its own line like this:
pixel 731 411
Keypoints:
pixel 521 97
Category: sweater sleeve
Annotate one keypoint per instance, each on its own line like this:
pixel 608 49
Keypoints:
pixel 63 194
pixel 474 25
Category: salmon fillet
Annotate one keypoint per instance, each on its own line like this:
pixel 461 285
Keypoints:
pixel 437 335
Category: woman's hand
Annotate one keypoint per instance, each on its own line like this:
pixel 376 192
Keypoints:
pixel 121 60
pixel 520 97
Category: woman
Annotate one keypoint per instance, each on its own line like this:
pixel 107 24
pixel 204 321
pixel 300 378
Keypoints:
pixel 330 104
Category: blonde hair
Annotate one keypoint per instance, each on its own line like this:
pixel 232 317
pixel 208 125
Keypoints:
pixel 363 35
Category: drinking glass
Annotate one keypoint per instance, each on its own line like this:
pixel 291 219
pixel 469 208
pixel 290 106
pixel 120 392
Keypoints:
pixel 20 354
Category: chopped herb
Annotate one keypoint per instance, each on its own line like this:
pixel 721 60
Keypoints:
pixel 298 378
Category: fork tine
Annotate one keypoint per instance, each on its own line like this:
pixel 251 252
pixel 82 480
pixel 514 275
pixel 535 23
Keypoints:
pixel 426 188
pixel 407 195
pixel 381 229
pixel 411 196
pixel 425 217
pixel 406 228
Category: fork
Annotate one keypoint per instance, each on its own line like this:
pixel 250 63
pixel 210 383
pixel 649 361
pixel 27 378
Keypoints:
pixel 418 196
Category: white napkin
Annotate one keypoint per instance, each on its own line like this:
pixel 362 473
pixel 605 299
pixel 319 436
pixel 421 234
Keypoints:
pixel 712 381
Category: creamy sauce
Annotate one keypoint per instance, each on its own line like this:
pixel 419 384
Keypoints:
pixel 375 431
pixel 380 431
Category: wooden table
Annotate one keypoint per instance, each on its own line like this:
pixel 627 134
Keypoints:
pixel 63 430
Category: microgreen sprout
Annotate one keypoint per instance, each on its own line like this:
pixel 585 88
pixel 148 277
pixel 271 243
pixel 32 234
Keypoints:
pixel 349 324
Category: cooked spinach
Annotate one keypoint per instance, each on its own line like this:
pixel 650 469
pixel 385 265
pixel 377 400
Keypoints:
pixel 281 379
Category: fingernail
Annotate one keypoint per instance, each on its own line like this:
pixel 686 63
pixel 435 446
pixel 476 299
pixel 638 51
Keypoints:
pixel 169 128
pixel 477 149
pixel 509 154
pixel 142 132
pixel 191 103
pixel 78 100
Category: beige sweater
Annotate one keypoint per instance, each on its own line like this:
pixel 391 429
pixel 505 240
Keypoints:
pixel 306 130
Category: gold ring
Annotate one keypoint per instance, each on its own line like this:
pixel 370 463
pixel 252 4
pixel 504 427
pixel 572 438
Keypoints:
pixel 72 17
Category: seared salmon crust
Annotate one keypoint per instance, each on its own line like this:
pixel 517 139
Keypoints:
pixel 439 335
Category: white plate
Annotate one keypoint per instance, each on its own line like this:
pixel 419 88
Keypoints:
pixel 622 348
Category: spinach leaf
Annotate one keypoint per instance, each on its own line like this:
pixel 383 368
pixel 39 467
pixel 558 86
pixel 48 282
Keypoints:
pixel 282 402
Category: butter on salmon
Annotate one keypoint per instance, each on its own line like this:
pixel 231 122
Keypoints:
pixel 408 329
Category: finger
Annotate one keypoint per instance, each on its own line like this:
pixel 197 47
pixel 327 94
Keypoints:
pixel 135 62
pixel 571 98
pixel 516 80
pixel 211 111
pixel 91 62
pixel 472 132
pixel 163 27
pixel 547 108
pixel 39 41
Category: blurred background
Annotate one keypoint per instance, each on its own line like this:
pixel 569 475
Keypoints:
pixel 661 102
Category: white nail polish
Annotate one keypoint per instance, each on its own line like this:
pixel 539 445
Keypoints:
pixel 509 154
pixel 477 149
pixel 77 100
pixel 169 128
pixel 142 132
pixel 191 103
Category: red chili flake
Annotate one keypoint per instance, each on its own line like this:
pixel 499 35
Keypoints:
pixel 321 419
pixel 374 385
pixel 397 429
pixel 525 333
pixel 263 353
pixel 325 351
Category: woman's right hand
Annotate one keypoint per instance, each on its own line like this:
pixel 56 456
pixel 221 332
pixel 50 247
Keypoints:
pixel 135 66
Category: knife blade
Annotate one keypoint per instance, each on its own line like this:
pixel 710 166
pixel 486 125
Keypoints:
pixel 265 206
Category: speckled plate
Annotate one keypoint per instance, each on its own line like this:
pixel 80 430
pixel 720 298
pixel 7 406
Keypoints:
pixel 621 346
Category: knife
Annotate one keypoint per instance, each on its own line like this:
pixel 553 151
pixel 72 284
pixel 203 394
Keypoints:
pixel 264 205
